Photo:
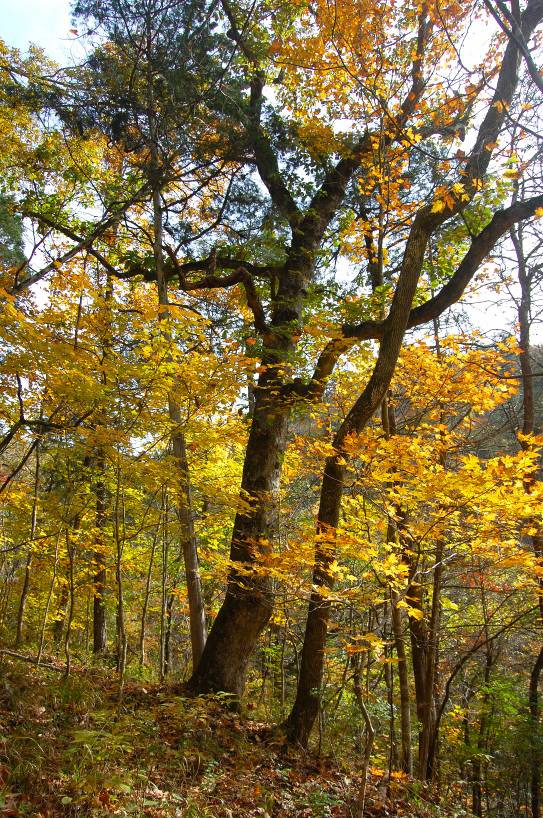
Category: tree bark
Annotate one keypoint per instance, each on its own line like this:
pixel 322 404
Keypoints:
pixel 248 602
pixel 301 719
pixel 28 566
pixel 403 678
pixel 99 622
pixel 189 546
pixel 524 312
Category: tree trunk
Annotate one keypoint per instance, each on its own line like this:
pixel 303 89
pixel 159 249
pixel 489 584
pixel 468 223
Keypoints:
pixel 28 566
pixel 357 808
pixel 120 538
pixel 48 602
pixel 248 602
pixel 535 733
pixel 403 678
pixel 163 584
pixel 189 547
pixel 197 616
pixel 70 549
pixel 300 721
pixel 146 597
pixel 306 705
pixel 99 622
pixel 524 311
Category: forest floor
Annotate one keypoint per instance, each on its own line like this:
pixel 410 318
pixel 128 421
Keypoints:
pixel 69 747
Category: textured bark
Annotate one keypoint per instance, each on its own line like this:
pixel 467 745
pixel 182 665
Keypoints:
pixel 306 706
pixel 249 599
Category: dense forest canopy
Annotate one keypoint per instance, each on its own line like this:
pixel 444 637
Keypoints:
pixel 251 438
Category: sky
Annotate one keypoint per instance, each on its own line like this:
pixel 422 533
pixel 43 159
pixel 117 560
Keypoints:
pixel 45 23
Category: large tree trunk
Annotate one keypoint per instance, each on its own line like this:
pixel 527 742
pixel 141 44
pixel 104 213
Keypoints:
pixel 249 598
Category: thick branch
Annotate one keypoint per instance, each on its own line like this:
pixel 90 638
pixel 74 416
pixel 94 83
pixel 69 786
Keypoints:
pixel 515 33
pixel 480 248
pixel 492 124
pixel 451 292
pixel 240 276
pixel 266 160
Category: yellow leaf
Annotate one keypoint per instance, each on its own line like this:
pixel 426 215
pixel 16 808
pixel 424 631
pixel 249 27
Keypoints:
pixel 415 613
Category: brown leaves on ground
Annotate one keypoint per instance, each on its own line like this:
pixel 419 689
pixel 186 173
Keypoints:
pixel 69 748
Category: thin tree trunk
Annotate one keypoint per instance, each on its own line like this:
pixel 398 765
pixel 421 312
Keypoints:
pixel 60 617
pixel 146 598
pixel 357 809
pixel 189 548
pixel 49 597
pixel 524 306
pixel 476 781
pixel 535 776
pixel 99 612
pixel 164 580
pixel 403 679
pixel 120 538
pixel 388 671
pixel 28 566
pixel 168 634
pixel 388 419
pixel 99 621
pixel 70 549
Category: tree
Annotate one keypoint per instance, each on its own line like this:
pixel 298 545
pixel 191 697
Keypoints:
pixel 315 199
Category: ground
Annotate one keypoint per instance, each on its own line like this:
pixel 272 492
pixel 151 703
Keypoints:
pixel 72 747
